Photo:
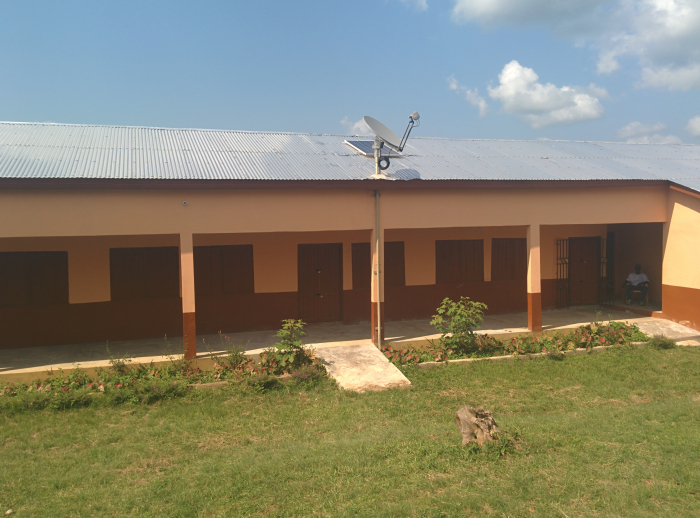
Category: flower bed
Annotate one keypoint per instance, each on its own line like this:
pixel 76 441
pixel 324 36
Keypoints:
pixel 141 383
pixel 485 346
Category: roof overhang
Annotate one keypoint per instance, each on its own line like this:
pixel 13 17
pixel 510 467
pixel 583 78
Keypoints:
pixel 98 184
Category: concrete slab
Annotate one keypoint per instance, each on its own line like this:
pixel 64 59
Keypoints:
pixel 672 330
pixel 361 368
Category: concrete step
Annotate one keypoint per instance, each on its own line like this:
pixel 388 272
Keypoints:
pixel 361 368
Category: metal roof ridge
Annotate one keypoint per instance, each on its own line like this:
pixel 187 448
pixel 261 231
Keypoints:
pixel 339 135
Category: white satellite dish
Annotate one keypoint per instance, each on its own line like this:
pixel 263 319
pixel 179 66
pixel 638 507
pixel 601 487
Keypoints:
pixel 382 131
pixel 385 136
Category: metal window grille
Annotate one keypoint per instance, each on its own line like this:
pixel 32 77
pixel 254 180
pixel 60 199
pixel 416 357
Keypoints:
pixel 563 294
pixel 606 291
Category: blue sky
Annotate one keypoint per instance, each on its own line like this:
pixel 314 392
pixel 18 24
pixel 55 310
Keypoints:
pixel 564 69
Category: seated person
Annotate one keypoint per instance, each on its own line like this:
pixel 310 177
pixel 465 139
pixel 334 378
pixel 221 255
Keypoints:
pixel 636 281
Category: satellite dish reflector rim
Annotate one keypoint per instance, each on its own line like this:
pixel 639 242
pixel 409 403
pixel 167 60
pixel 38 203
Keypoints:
pixel 382 131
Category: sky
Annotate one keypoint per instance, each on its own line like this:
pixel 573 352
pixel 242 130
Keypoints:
pixel 605 70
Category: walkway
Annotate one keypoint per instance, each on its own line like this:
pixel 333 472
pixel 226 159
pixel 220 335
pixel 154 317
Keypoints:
pixel 32 362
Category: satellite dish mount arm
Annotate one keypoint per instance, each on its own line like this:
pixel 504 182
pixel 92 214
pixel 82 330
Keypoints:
pixel 411 121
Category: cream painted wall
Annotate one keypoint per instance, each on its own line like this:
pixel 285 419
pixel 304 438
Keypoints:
pixel 419 247
pixel 275 254
pixel 275 221
pixel 124 212
pixel 88 259
pixel 682 241
pixel 474 208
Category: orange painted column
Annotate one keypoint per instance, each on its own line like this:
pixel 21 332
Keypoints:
pixel 377 284
pixel 534 282
pixel 189 328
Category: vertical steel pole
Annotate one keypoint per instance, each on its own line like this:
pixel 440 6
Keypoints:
pixel 379 280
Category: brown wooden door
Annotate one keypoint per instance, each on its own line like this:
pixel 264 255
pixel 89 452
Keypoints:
pixel 584 270
pixel 320 282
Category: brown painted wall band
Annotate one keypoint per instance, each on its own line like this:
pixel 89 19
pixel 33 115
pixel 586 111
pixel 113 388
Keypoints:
pixel 90 322
pixel 681 305
pixel 374 321
pixel 534 312
pixel 154 318
pixel 189 335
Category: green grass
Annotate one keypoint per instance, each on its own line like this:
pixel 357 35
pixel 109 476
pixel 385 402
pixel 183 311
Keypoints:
pixel 609 434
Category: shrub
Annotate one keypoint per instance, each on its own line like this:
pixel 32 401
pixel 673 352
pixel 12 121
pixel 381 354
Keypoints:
pixel 308 374
pixel 289 353
pixel 234 359
pixel 119 365
pixel 662 342
pixel 456 321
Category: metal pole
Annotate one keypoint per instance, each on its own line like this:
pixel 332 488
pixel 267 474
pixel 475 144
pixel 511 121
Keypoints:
pixel 378 272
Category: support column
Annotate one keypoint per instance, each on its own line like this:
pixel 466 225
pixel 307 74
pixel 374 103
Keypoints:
pixel 377 291
pixel 189 330
pixel 534 283
pixel 377 283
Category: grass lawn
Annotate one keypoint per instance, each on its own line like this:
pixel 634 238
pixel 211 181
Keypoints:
pixel 609 434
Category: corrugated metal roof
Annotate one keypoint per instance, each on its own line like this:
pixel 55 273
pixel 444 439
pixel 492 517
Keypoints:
pixel 30 150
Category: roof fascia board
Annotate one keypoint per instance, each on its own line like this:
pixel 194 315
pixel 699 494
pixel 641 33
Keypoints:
pixel 93 183
pixel 684 190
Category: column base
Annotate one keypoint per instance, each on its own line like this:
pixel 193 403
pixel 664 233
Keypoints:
pixel 189 335
pixel 374 323
pixel 534 312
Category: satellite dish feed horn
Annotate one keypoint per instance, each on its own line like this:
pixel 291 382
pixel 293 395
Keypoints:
pixel 385 136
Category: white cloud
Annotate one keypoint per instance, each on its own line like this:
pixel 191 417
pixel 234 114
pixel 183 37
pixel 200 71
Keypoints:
pixel 637 128
pixel 421 5
pixel 655 139
pixel 542 105
pixel 355 128
pixel 678 78
pixel 471 96
pixel 662 35
pixel 523 12
pixel 693 126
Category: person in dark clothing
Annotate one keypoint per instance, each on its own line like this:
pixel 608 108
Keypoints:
pixel 636 281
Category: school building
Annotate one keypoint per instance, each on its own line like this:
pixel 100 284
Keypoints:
pixel 116 233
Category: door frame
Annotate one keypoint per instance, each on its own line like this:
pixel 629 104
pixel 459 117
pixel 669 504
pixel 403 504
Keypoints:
pixel 597 281
pixel 340 280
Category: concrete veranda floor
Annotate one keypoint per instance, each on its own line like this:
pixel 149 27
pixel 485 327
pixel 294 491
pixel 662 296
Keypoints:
pixel 36 361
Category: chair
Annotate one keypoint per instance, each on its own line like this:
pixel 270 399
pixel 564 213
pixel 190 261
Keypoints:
pixel 646 298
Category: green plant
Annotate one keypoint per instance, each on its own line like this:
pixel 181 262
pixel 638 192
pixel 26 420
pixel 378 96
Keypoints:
pixel 456 321
pixel 661 342
pixel 289 353
pixel 234 357
pixel 119 365
pixel 308 374
pixel 553 344
pixel 290 334
pixel 179 364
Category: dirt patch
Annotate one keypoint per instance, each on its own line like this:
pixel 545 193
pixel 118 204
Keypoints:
pixel 640 400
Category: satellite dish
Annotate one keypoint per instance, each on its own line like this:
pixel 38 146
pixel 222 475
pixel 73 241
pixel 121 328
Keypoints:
pixel 382 132
pixel 385 136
